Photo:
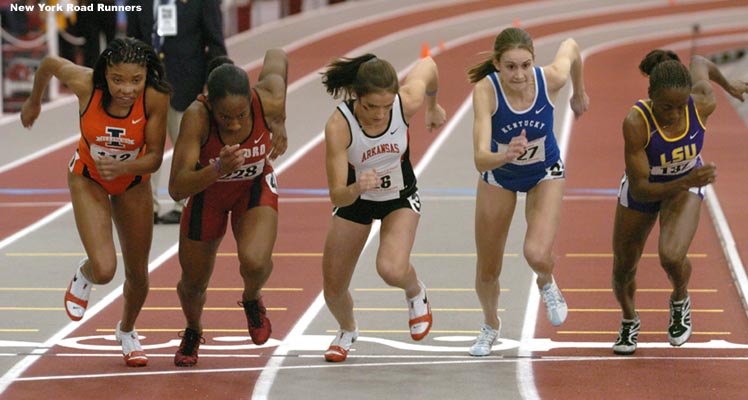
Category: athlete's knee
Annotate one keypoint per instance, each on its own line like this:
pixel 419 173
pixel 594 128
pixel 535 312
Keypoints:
pixel 538 257
pixel 192 288
pixel 391 271
pixel 102 270
pixel 672 259
pixel 333 290
pixel 254 261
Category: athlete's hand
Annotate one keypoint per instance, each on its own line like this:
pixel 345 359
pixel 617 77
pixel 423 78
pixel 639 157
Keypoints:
pixel 108 167
pixel 279 140
pixel 231 158
pixel 702 175
pixel 435 117
pixel 737 89
pixel 517 146
pixel 29 112
pixel 580 103
pixel 367 180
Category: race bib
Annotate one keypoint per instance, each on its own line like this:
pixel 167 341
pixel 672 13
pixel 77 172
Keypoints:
pixel 535 152
pixel 677 168
pixel 390 184
pixel 245 172
pixel 117 154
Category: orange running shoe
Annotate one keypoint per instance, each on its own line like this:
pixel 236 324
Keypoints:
pixel 257 320
pixel 131 350
pixel 341 345
pixel 78 293
pixel 419 311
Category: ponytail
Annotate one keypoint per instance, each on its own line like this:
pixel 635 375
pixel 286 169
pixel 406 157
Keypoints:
pixel 359 76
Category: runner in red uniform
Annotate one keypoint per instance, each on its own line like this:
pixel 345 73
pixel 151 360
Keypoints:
pixel 123 104
pixel 222 163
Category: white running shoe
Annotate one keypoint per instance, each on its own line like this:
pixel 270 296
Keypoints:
pixel 131 349
pixel 78 293
pixel 419 311
pixel 341 345
pixel 680 322
pixel 486 339
pixel 555 305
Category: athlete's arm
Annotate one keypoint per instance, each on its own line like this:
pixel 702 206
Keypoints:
pixel 421 85
pixel 637 165
pixel 568 63
pixel 272 85
pixel 185 180
pixel 484 104
pixel 79 79
pixel 337 140
pixel 702 71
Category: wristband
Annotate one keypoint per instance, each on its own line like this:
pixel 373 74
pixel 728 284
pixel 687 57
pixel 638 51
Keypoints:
pixel 431 92
pixel 217 164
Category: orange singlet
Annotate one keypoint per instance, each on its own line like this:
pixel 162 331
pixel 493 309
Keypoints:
pixel 104 135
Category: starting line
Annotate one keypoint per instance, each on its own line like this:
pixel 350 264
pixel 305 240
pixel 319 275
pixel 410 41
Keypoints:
pixel 319 343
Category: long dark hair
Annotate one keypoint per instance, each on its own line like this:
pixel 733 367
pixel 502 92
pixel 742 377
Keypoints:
pixel 129 51
pixel 359 76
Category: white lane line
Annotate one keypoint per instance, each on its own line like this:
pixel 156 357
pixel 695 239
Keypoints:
pixel 33 227
pixel 39 153
pixel 417 361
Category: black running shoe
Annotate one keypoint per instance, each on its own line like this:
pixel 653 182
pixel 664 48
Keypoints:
pixel 680 322
pixel 627 337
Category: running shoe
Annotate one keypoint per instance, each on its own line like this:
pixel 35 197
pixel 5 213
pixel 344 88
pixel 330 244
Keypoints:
pixel 555 305
pixel 76 297
pixel 341 345
pixel 186 356
pixel 680 322
pixel 131 350
pixel 419 312
pixel 257 320
pixel 486 339
pixel 628 335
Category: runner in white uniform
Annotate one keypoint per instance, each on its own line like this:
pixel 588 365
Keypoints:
pixel 370 177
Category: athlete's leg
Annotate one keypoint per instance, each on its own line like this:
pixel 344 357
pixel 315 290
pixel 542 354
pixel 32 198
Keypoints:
pixel 630 231
pixel 543 215
pixel 197 259
pixel 255 235
pixel 343 245
pixel 397 235
pixel 679 218
pixel 92 210
pixel 494 209
pixel 133 216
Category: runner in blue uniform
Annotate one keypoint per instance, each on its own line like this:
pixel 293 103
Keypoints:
pixel 515 150
pixel 664 175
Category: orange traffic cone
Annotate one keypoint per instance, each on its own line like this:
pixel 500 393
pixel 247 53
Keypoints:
pixel 425 50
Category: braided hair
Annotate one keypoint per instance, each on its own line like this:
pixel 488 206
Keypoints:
pixel 665 70
pixel 129 51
